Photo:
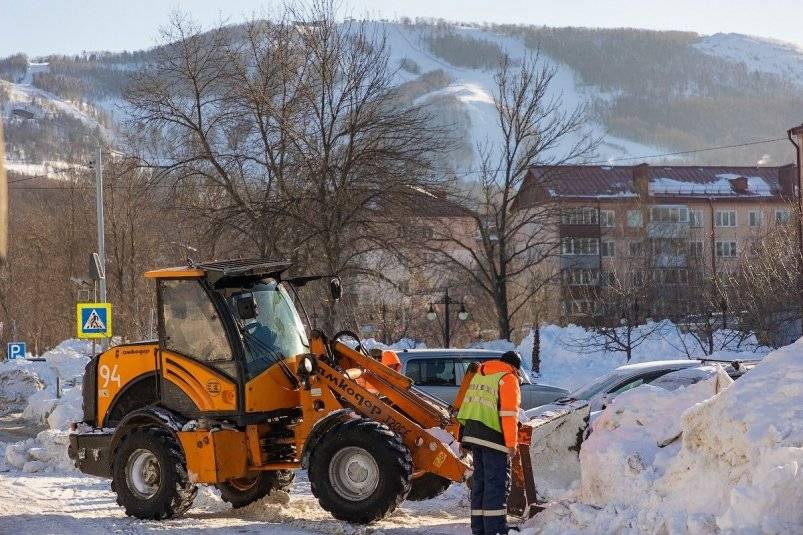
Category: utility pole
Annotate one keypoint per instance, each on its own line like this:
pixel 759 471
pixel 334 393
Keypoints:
pixel 797 132
pixel 101 226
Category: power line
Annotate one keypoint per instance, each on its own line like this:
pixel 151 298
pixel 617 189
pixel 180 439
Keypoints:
pixel 661 155
pixel 463 173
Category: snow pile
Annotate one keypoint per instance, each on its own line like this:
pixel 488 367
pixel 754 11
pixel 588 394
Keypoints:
pixel 693 460
pixel 67 361
pixel 17 384
pixel 35 382
pixel 46 452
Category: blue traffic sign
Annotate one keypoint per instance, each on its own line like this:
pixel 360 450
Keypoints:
pixel 93 320
pixel 16 350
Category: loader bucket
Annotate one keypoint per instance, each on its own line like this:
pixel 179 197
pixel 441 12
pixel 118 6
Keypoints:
pixel 547 463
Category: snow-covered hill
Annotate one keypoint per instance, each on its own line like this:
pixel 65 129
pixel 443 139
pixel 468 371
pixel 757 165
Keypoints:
pixel 759 54
pixel 474 88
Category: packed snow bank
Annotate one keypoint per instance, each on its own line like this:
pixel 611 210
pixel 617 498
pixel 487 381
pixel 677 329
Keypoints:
pixel 571 357
pixel 34 383
pixel 17 384
pixel 692 461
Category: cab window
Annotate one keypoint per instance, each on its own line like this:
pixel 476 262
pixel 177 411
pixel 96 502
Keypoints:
pixel 432 372
pixel 191 324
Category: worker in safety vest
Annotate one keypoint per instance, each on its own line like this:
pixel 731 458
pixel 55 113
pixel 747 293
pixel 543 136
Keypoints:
pixel 489 427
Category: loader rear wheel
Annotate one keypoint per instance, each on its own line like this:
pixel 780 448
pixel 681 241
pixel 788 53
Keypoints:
pixel 360 471
pixel 246 490
pixel 149 475
pixel 427 486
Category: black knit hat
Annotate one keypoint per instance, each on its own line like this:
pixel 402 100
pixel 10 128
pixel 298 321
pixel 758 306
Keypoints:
pixel 513 358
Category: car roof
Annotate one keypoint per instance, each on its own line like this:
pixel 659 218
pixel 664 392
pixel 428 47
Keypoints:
pixel 444 352
pixel 658 365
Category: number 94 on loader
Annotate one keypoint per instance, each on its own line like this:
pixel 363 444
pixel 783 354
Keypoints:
pixel 235 394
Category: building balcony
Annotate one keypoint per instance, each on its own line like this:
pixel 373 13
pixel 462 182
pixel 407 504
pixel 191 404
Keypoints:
pixel 590 261
pixel 669 260
pixel 579 231
pixel 661 229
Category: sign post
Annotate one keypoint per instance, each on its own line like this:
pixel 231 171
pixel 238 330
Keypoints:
pixel 93 320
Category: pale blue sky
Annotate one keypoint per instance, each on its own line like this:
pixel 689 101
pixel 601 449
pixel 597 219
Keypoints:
pixel 45 26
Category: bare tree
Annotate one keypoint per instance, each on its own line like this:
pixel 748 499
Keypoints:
pixel 507 254
pixel 289 134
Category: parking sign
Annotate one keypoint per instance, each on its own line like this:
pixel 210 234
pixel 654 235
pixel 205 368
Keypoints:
pixel 16 350
pixel 93 320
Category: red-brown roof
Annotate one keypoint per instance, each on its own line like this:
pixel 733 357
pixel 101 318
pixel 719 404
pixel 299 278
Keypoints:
pixel 600 182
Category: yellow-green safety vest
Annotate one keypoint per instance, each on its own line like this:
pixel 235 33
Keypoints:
pixel 481 402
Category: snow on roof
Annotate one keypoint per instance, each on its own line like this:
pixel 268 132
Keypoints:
pixel 720 185
pixel 609 182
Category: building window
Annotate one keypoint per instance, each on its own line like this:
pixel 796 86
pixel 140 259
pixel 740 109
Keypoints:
pixel 579 246
pixel 782 216
pixel 637 278
pixel 607 218
pixel 609 248
pixel 725 218
pixel 635 248
pixel 634 219
pixel 579 216
pixel 756 218
pixel 607 278
pixel 696 248
pixel 580 277
pixel 696 218
pixel 579 307
pixel 669 214
pixel 726 249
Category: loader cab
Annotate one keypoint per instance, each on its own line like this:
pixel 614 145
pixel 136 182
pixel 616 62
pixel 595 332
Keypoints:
pixel 228 334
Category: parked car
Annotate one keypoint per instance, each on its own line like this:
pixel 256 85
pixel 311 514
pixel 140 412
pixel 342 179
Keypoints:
pixel 440 372
pixel 604 388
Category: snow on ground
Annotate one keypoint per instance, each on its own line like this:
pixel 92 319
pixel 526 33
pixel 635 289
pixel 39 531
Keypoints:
pixel 26 95
pixel 757 53
pixel 693 460
pixel 40 490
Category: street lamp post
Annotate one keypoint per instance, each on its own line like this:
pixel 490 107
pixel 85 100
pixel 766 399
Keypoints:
pixel 447 301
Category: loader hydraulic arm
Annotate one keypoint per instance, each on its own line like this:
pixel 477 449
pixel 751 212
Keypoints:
pixel 385 396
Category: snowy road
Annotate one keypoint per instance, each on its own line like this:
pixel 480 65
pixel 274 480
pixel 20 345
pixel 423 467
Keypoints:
pixel 45 504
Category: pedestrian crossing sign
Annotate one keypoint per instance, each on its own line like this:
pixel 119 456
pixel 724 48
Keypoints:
pixel 94 320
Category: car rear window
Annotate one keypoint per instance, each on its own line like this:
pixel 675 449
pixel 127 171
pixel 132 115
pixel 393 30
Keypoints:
pixel 432 372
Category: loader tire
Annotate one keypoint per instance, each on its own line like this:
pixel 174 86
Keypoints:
pixel 245 491
pixel 149 475
pixel 360 471
pixel 427 486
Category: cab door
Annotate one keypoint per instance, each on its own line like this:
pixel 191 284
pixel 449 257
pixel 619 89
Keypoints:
pixel 198 369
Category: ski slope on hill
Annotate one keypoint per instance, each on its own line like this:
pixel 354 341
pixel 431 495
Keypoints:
pixel 759 54
pixel 474 88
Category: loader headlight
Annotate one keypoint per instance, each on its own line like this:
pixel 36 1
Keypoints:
pixel 308 365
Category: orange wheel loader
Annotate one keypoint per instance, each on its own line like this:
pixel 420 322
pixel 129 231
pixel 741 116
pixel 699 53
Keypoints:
pixel 235 394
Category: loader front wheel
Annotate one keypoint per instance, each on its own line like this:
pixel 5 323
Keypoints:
pixel 427 486
pixel 244 491
pixel 360 471
pixel 150 476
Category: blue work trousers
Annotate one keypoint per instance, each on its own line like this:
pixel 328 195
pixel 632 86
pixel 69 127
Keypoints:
pixel 489 491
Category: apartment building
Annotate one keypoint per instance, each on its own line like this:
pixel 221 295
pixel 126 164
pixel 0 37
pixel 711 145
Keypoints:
pixel 673 224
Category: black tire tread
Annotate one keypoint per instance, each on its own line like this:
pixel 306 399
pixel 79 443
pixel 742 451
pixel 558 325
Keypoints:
pixel 270 480
pixel 182 495
pixel 427 486
pixel 400 464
